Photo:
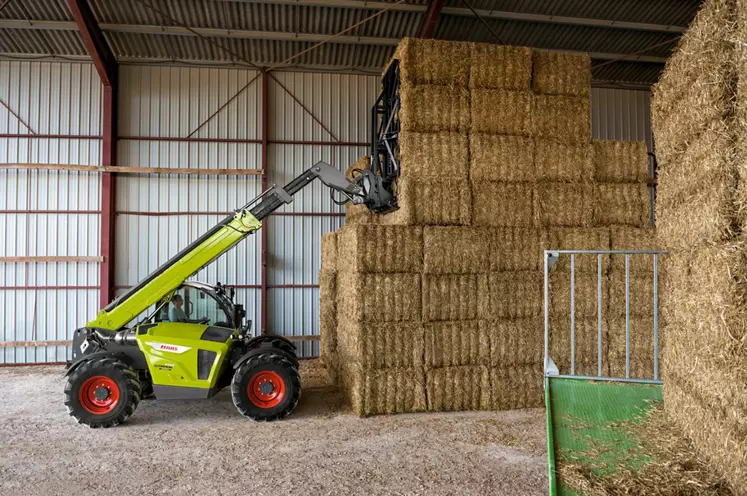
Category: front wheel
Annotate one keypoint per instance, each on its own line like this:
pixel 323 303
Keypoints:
pixel 102 392
pixel 266 387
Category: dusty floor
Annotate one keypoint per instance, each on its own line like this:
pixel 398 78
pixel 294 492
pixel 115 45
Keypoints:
pixel 206 447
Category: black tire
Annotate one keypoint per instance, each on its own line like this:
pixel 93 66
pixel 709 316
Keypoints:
pixel 273 367
pixel 109 376
pixel 279 345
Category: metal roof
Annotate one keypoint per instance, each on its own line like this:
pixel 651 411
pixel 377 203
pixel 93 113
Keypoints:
pixel 268 32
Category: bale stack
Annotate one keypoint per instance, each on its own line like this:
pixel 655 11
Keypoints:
pixel 328 305
pixel 439 304
pixel 699 125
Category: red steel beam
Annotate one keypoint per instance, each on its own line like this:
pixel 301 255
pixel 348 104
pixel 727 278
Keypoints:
pixel 51 136
pixel 106 65
pixel 430 20
pixel 81 212
pixel 170 214
pixel 243 140
pixel 263 233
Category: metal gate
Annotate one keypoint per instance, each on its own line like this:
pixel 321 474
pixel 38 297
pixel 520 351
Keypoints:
pixel 551 258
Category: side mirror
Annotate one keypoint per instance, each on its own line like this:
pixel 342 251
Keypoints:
pixel 232 293
pixel 239 314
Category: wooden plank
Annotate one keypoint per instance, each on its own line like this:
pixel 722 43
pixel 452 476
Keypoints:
pixel 124 169
pixel 302 338
pixel 50 259
pixel 33 344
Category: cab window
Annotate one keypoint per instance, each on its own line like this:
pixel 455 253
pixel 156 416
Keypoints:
pixel 193 305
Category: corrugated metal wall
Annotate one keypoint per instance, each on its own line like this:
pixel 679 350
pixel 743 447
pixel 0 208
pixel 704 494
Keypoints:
pixel 37 302
pixel 159 214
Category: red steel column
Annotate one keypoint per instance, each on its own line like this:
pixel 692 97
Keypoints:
pixel 430 20
pixel 263 232
pixel 106 65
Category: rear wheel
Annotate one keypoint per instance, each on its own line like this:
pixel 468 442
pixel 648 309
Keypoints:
pixel 102 392
pixel 266 387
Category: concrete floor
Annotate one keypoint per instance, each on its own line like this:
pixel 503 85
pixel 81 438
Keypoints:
pixel 206 447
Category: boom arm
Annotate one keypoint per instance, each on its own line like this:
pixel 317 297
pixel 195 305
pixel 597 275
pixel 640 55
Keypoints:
pixel 222 237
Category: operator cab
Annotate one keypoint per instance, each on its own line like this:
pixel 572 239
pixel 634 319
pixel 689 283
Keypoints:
pixel 200 304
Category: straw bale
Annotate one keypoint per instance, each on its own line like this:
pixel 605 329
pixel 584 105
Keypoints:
pixel 432 108
pixel 432 202
pixel 501 158
pixel 561 73
pixel 378 297
pixel 620 161
pixel 500 67
pixel 517 387
pixel 641 293
pixel 377 248
pixel 329 251
pixel 641 346
pixel 724 446
pixel 561 204
pixel 586 341
pixel 563 162
pixel 452 297
pixel 633 238
pixel 585 291
pixel 434 155
pixel 577 238
pixel 709 298
pixel 429 61
pixel 500 204
pixel 695 197
pixel 515 342
pixel 400 390
pixel 374 345
pixel 502 112
pixel 328 321
pixel 474 250
pixel 359 214
pixel 622 204
pixel 697 85
pixel 565 118
pixel 458 388
pixel 456 343
pixel 512 295
pixel 361 164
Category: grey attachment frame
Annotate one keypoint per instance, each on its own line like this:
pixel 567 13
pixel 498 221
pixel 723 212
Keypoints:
pixel 550 258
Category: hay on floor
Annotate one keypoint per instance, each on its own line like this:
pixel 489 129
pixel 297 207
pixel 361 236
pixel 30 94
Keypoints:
pixel 446 202
pixel 517 387
pixel 501 158
pixel 500 67
pixel 561 204
pixel 499 204
pixel 456 343
pixel 502 112
pixel 626 204
pixel 458 388
pixel 431 108
pixel 561 73
pixel 564 118
pixel 434 155
pixel 377 248
pixel 620 161
pixel 452 297
pixel 557 161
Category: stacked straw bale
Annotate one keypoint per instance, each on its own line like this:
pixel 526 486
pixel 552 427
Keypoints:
pixel 452 282
pixel 699 124
pixel 328 305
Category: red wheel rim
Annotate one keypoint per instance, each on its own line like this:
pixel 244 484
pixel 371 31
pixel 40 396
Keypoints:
pixel 99 395
pixel 266 389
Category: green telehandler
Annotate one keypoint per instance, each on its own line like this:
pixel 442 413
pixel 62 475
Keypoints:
pixel 173 356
